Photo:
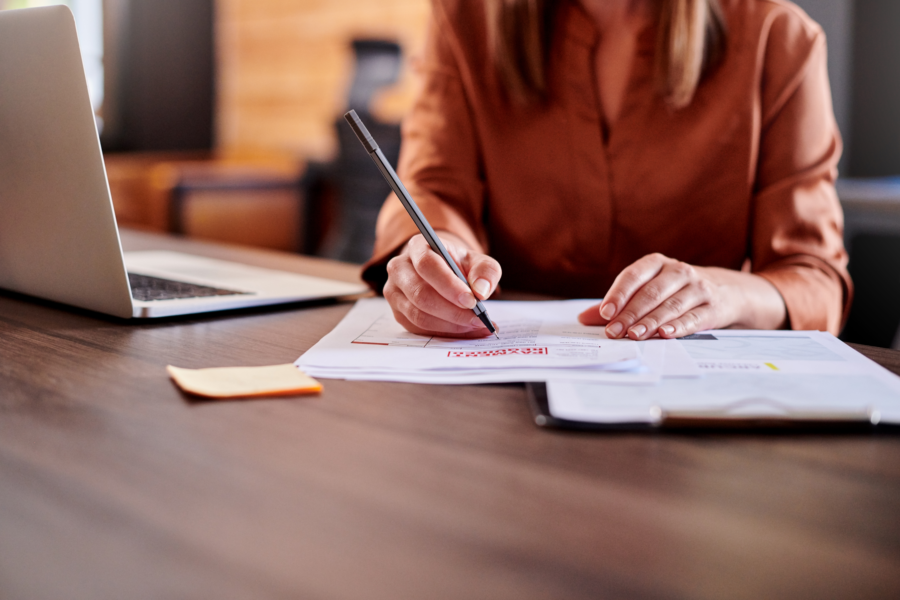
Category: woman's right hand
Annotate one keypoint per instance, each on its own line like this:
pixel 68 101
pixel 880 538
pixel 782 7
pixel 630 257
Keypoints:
pixel 428 299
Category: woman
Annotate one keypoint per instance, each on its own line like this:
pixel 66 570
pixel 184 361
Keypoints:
pixel 676 157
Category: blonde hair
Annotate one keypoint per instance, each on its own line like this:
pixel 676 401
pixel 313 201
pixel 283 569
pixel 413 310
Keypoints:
pixel 690 43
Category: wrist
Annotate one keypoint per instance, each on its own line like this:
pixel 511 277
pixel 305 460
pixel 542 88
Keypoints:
pixel 751 301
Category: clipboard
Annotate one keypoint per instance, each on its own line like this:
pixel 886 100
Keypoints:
pixel 660 420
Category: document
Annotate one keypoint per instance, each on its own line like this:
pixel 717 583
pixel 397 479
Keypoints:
pixel 746 373
pixel 656 358
pixel 537 340
pixel 770 351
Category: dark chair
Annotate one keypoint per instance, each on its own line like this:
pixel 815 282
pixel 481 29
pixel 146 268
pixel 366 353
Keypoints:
pixel 338 201
pixel 875 268
pixel 359 189
pixel 872 236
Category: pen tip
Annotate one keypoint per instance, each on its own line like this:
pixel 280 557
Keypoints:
pixel 496 336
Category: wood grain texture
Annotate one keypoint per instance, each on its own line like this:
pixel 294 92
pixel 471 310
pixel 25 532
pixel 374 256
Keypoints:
pixel 113 484
pixel 284 67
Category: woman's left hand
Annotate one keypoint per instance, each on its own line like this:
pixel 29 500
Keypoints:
pixel 660 295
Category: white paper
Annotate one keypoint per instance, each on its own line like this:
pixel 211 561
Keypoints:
pixel 758 373
pixel 770 352
pixel 730 393
pixel 678 362
pixel 661 358
pixel 653 358
pixel 534 336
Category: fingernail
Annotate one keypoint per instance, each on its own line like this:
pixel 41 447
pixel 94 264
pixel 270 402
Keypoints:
pixel 668 329
pixel 614 330
pixel 482 286
pixel 638 330
pixel 608 311
pixel 466 300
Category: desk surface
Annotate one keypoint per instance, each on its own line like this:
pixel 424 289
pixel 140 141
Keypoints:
pixel 113 484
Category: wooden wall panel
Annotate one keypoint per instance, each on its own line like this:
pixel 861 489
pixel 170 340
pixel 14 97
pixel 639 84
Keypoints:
pixel 284 67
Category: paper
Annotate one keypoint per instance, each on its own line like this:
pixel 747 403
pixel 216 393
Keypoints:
pixel 769 352
pixel 678 362
pixel 660 358
pixel 748 373
pixel 735 394
pixel 537 340
pixel 244 382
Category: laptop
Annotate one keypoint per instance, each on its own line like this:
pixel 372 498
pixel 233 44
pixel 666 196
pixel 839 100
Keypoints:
pixel 58 233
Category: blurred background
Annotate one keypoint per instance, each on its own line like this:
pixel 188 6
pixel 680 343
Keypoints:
pixel 220 119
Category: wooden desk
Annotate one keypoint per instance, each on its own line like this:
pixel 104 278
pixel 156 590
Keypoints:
pixel 115 485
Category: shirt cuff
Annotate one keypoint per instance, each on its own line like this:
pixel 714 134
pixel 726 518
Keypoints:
pixel 815 299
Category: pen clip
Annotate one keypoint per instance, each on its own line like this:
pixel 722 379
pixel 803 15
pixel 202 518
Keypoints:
pixel 760 412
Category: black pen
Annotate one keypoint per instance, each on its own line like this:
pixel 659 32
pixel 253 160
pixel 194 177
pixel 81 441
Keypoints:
pixel 409 204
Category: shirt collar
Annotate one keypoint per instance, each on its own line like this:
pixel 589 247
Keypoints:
pixel 580 28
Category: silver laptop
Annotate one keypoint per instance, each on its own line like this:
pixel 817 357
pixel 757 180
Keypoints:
pixel 58 234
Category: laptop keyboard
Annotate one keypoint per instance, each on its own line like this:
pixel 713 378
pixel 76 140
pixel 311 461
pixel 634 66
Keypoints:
pixel 147 288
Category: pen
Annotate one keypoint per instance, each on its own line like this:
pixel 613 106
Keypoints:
pixel 409 204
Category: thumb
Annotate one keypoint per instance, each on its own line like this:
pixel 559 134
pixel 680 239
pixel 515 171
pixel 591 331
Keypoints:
pixel 484 275
pixel 591 316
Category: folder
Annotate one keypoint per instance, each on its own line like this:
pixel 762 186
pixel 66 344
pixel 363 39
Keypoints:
pixel 730 416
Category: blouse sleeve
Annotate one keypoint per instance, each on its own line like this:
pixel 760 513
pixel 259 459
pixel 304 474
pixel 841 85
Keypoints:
pixel 439 159
pixel 797 235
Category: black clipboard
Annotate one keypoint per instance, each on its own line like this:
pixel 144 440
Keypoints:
pixel 824 422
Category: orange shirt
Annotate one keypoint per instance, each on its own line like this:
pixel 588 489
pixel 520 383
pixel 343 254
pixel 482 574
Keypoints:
pixel 741 177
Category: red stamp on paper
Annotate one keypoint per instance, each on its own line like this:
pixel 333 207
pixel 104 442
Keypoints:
pixel 497 352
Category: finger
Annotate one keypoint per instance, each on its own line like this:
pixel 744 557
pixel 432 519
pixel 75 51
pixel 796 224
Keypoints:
pixel 671 308
pixel 459 251
pixel 405 285
pixel 629 281
pixel 694 320
pixel 674 277
pixel 415 321
pixel 483 274
pixel 434 269
pixel 472 335
pixel 592 316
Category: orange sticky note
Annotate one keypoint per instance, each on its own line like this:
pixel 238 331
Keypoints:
pixel 244 382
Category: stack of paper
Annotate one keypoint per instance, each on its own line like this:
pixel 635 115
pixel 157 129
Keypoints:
pixel 594 379
pixel 538 341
